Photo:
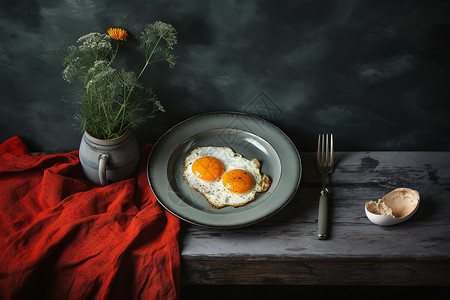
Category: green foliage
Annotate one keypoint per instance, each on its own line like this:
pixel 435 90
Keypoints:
pixel 157 41
pixel 113 101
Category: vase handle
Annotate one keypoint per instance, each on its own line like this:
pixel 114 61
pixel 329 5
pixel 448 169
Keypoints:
pixel 102 160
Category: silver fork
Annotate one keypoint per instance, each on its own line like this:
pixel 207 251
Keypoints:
pixel 325 164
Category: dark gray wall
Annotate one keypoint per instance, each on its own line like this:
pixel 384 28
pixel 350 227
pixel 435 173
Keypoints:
pixel 376 73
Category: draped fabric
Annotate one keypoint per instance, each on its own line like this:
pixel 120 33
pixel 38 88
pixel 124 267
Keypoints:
pixel 62 237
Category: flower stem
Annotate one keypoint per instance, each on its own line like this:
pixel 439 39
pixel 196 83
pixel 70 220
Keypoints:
pixel 122 108
pixel 115 53
pixel 149 57
pixel 107 128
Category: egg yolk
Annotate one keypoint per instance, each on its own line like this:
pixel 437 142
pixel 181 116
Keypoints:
pixel 237 181
pixel 208 168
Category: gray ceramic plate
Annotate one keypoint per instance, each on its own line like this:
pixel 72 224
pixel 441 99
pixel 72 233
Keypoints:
pixel 248 135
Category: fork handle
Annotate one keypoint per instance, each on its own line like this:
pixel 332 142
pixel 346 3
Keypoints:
pixel 323 216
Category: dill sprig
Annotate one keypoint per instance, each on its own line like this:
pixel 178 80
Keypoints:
pixel 113 101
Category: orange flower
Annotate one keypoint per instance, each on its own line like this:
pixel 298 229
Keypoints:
pixel 118 34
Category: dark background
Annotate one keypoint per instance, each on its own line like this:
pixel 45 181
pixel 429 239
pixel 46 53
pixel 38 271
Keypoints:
pixel 375 73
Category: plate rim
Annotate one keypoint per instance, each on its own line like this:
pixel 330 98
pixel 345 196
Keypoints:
pixel 227 113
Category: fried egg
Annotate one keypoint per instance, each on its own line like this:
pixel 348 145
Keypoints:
pixel 224 177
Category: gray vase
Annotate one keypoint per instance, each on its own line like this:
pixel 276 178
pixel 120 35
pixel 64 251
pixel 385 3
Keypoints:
pixel 105 161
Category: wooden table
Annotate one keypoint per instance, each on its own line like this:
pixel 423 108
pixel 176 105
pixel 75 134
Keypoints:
pixel 284 249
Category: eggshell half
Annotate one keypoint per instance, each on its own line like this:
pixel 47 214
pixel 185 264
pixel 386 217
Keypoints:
pixel 395 207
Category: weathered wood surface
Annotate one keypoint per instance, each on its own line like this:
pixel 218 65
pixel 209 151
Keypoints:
pixel 284 249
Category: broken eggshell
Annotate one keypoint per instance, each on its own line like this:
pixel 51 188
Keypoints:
pixel 395 207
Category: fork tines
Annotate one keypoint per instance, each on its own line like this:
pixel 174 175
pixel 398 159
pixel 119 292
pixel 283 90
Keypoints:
pixel 325 150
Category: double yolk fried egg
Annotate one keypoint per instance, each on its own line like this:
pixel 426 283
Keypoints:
pixel 224 177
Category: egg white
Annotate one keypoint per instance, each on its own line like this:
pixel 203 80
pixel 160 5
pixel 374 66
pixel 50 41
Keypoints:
pixel 214 191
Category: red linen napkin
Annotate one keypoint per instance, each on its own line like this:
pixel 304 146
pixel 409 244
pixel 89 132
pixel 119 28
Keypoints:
pixel 61 237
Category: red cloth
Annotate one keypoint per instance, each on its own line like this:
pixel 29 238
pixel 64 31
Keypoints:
pixel 61 237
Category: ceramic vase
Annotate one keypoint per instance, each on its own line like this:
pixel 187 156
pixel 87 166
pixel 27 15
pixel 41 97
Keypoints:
pixel 105 161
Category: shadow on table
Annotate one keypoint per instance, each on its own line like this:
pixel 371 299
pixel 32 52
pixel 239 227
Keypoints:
pixel 234 292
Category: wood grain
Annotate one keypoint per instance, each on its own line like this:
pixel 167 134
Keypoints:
pixel 284 249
